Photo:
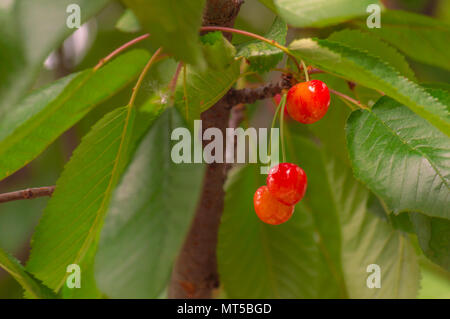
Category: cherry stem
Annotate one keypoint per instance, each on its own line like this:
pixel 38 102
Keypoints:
pixel 120 49
pixel 348 98
pixel 347 103
pixel 173 82
pixel 305 69
pixel 142 76
pixel 186 102
pixel 283 105
pixel 255 36
pixel 315 71
pixel 275 116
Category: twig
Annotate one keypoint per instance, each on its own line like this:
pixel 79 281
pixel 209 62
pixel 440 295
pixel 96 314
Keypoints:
pixel 28 193
pixel 348 98
pixel 251 95
pixel 173 82
pixel 120 49
pixel 315 71
pixel 142 76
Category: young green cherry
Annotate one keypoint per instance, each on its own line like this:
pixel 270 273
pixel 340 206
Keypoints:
pixel 287 183
pixel 269 209
pixel 307 102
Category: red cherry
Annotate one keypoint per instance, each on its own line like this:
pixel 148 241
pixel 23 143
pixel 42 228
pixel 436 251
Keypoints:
pixel 269 209
pixel 307 102
pixel 287 182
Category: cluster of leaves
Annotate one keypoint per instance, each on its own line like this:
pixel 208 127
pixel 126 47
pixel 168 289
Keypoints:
pixel 377 180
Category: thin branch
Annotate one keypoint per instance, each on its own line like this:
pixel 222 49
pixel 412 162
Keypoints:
pixel 251 95
pixel 28 193
pixel 120 49
pixel 142 76
pixel 173 82
pixel 315 71
pixel 348 98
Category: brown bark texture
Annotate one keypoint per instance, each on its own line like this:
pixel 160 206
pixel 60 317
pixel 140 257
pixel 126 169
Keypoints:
pixel 195 270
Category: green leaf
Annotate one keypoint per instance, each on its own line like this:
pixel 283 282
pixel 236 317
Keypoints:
pixel 218 51
pixel 198 90
pixel 263 56
pixel 72 220
pixel 438 85
pixel 88 288
pixel 29 32
pixel 33 287
pixel 435 283
pixel 417 36
pixel 350 237
pixel 257 260
pixel 128 22
pixel 374 46
pixel 434 238
pixel 320 13
pixel 173 25
pixel 336 117
pixel 146 114
pixel 363 68
pixel 326 247
pixel 334 120
pixel 149 217
pixel 45 114
pixel 401 222
pixel 401 158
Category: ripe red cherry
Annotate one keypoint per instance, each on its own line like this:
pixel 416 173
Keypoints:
pixel 307 102
pixel 269 209
pixel 287 183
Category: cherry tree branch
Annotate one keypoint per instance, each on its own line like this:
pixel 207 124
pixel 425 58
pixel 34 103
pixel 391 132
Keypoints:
pixel 28 193
pixel 195 273
pixel 233 98
pixel 119 50
pixel 251 95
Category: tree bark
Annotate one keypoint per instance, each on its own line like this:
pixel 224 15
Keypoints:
pixel 28 193
pixel 195 270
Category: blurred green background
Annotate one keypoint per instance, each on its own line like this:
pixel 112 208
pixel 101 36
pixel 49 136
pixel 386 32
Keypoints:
pixel 96 39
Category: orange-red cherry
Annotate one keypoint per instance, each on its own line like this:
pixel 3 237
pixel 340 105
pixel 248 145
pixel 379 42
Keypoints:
pixel 287 183
pixel 269 209
pixel 308 102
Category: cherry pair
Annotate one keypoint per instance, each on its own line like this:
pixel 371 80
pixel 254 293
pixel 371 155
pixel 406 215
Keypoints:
pixel 286 186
